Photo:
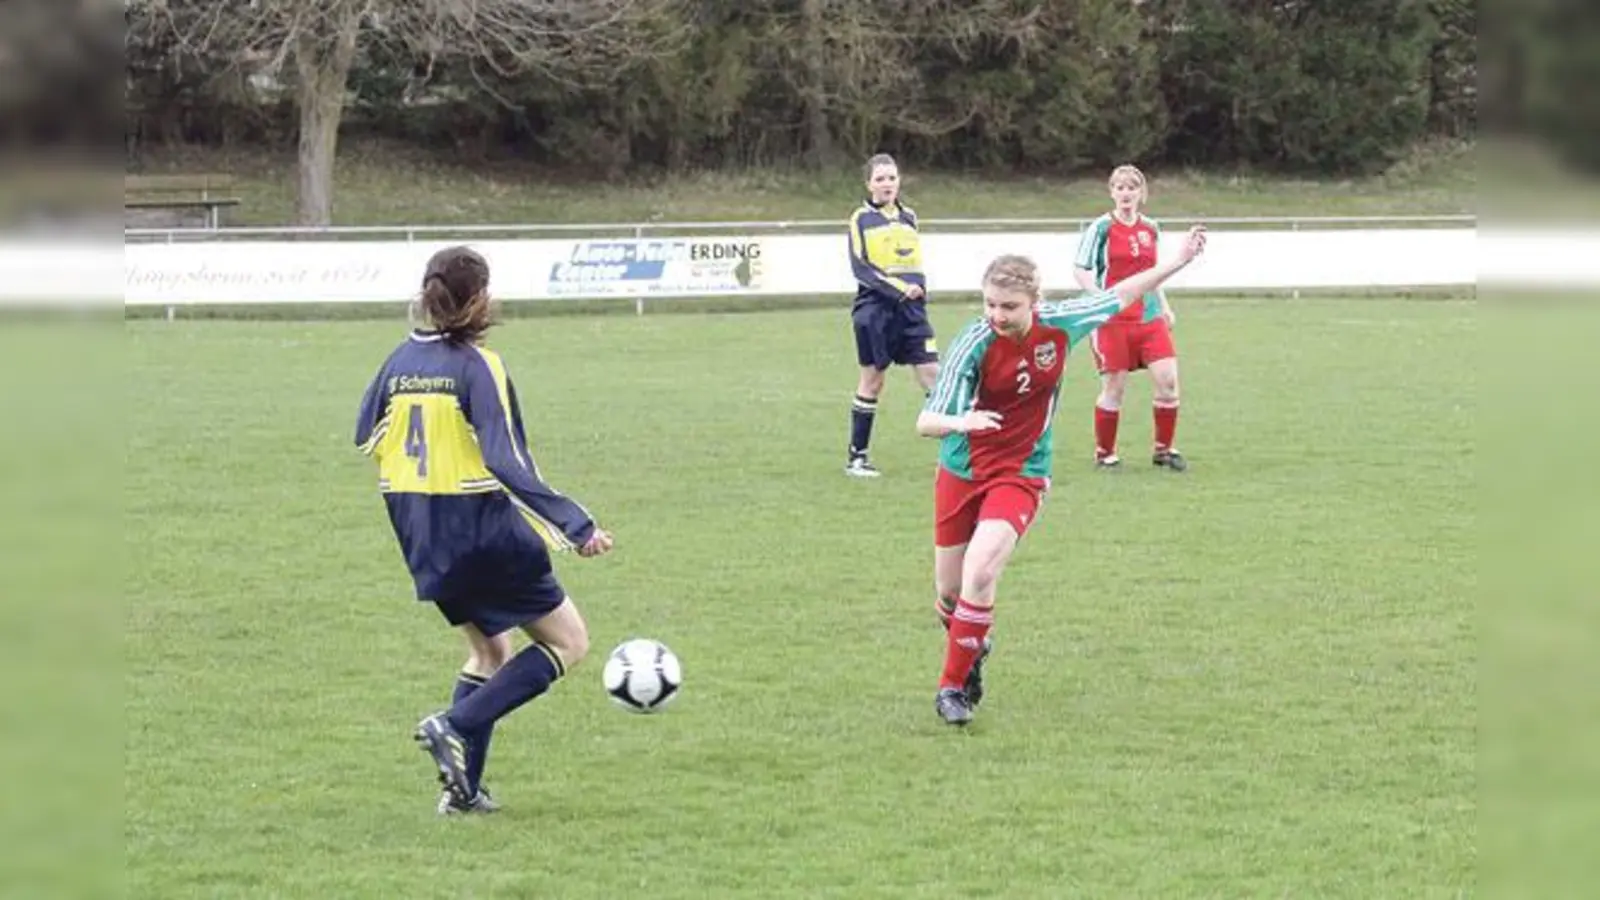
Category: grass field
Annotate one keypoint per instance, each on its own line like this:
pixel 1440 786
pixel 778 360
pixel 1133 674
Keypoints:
pixel 1256 680
pixel 389 185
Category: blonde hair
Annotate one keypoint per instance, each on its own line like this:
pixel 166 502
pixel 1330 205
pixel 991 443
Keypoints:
pixel 1015 273
pixel 1132 173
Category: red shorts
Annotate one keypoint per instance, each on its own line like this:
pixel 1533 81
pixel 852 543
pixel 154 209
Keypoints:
pixel 959 505
pixel 1130 346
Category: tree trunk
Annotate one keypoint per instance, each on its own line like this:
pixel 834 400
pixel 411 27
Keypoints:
pixel 322 66
pixel 819 140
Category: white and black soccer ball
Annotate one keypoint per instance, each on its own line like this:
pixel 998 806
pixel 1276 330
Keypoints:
pixel 642 675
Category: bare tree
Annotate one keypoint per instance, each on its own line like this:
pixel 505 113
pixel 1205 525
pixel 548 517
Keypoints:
pixel 315 43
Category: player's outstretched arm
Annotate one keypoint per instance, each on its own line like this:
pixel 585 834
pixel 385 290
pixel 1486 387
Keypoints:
pixel 564 521
pixel 950 407
pixel 937 425
pixel 1131 289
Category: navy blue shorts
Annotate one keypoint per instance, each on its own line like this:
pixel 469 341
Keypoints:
pixel 894 333
pixel 493 613
pixel 497 585
pixel 476 557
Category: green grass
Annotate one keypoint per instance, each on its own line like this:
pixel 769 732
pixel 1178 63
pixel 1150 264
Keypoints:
pixel 388 185
pixel 1539 717
pixel 1256 680
pixel 61 615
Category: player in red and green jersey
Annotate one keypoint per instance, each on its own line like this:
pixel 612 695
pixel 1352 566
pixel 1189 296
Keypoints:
pixel 993 407
pixel 1115 246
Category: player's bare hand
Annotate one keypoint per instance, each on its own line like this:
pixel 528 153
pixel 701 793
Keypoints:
pixel 915 292
pixel 1195 244
pixel 980 420
pixel 598 543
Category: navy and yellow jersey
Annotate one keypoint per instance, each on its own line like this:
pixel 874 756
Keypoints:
pixel 463 492
pixel 885 252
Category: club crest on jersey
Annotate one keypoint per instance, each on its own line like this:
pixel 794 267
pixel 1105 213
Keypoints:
pixel 1044 357
pixel 1144 238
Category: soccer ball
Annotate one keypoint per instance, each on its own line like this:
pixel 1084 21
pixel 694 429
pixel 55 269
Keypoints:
pixel 642 675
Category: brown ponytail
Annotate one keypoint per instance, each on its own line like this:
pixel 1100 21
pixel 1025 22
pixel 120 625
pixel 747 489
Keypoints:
pixel 455 294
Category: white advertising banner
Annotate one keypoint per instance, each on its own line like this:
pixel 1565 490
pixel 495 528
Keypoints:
pixel 221 271
pixel 376 271
pixel 246 272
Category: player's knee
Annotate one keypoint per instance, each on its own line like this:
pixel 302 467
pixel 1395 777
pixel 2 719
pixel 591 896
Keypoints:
pixel 564 633
pixel 485 655
pixel 980 578
pixel 1166 388
pixel 870 384
pixel 573 647
pixel 490 657
pixel 1112 390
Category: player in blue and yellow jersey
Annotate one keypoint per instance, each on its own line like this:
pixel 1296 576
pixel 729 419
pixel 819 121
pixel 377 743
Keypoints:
pixel 475 519
pixel 890 312
pixel 993 409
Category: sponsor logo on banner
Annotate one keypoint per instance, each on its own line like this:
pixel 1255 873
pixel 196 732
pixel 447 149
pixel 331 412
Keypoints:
pixel 657 266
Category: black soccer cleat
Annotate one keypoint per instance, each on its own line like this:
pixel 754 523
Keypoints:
pixel 481 803
pixel 953 706
pixel 1170 459
pixel 974 683
pixel 449 751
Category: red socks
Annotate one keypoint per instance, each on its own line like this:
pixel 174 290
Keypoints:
pixel 1105 432
pixel 968 627
pixel 1105 429
pixel 1166 425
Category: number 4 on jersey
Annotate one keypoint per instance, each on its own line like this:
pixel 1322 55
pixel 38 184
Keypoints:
pixel 417 440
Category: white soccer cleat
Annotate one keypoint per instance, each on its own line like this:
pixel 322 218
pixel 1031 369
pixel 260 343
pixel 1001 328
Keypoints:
pixel 861 467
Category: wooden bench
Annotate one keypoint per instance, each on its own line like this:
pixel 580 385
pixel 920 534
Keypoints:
pixel 177 200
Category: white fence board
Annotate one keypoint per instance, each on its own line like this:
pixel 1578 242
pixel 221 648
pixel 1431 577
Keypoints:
pixel 249 272
pixel 225 269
